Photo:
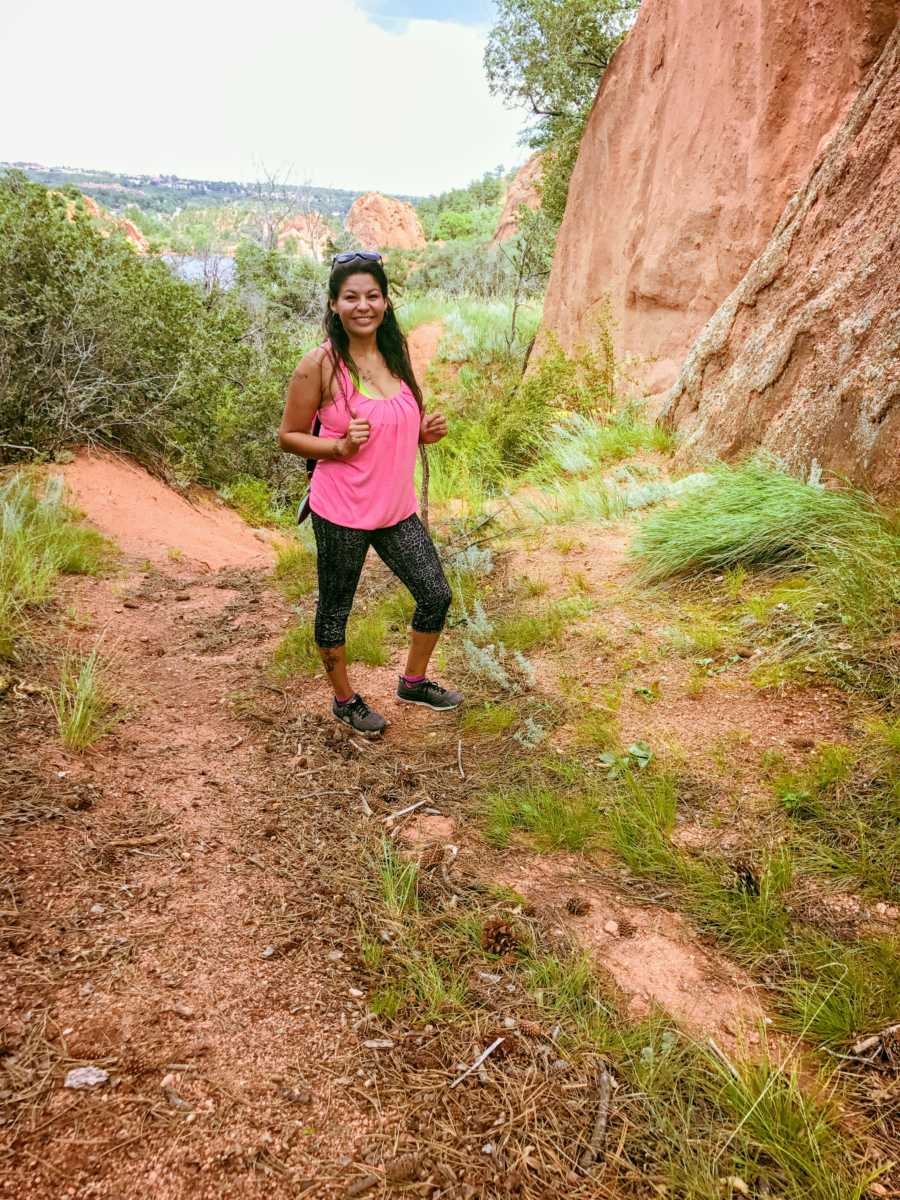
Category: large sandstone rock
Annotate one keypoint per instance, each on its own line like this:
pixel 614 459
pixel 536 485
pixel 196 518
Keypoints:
pixel 524 189
pixel 307 233
pixel 382 223
pixel 803 357
pixel 708 118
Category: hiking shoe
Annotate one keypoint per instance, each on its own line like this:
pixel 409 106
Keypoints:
pixel 432 695
pixel 357 714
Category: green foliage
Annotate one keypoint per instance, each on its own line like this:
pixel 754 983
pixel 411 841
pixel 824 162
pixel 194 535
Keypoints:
pixel 296 653
pixel 295 570
pixel 81 702
pixel 254 500
pixel 549 56
pixel 556 819
pixel 490 719
pixel 39 541
pixel 568 988
pixel 480 195
pixel 848 551
pixel 98 343
pixel 399 880
pixel 847 806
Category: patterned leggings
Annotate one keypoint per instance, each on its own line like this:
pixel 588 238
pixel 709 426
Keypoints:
pixel 406 548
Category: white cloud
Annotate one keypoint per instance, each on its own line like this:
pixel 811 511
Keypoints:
pixel 212 90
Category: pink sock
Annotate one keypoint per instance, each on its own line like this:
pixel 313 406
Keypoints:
pixel 413 678
pixel 344 701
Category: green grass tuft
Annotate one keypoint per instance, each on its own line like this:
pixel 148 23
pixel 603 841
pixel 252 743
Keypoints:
pixel 557 820
pixel 295 570
pixel 81 702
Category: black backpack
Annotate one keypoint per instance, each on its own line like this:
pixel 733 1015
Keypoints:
pixel 303 511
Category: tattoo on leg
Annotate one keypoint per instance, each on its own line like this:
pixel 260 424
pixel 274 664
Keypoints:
pixel 330 659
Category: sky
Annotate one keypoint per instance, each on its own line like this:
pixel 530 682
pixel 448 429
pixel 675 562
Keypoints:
pixel 386 95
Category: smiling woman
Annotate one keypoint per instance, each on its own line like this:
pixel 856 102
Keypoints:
pixel 355 409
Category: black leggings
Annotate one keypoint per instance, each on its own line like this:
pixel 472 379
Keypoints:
pixel 408 551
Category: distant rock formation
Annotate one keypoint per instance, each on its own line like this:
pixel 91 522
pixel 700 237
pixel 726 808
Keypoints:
pixel 708 118
pixel 522 190
pixel 307 233
pixel 108 222
pixel 382 223
pixel 803 358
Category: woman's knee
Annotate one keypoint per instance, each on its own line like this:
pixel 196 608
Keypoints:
pixel 431 610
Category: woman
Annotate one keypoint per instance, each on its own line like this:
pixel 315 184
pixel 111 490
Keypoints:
pixel 360 383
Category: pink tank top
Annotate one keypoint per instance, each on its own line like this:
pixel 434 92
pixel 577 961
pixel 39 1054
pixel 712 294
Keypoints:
pixel 376 488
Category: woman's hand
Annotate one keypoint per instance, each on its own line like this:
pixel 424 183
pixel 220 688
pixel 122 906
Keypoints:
pixel 356 436
pixel 433 428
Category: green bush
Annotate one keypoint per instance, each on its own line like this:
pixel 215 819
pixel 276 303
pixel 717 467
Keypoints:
pixel 100 344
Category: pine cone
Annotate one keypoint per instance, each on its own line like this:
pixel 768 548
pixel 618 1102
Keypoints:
pixel 578 906
pixel 402 1169
pixel 498 936
pixel 431 856
pixel 530 1028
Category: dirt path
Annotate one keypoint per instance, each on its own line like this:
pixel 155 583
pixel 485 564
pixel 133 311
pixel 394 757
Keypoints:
pixel 423 342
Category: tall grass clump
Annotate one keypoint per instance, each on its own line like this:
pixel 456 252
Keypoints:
pixel 40 539
pixel 82 703
pixel 757 516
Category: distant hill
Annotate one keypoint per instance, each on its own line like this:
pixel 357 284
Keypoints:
pixel 170 193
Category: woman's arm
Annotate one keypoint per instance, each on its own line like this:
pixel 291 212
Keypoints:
pixel 304 395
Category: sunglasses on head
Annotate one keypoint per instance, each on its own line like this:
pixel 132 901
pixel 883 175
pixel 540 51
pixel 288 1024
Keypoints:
pixel 350 255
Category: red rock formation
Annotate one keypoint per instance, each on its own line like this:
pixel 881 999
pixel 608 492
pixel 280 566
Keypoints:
pixel 522 190
pixel 382 223
pixel 307 233
pixel 707 120
pixel 803 357
pixel 108 223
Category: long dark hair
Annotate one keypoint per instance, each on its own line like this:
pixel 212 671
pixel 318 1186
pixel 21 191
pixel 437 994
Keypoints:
pixel 388 336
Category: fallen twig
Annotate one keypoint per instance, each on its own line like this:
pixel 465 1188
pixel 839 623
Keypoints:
pixel 462 773
pixel 366 807
pixel 478 1061
pixel 722 1056
pixel 877 1039
pixel 403 811
pixel 592 1149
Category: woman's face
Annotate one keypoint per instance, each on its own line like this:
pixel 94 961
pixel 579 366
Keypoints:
pixel 360 304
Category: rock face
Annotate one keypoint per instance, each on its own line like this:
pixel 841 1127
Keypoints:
pixel 708 118
pixel 803 357
pixel 382 223
pixel 522 190
pixel 307 233
pixel 108 223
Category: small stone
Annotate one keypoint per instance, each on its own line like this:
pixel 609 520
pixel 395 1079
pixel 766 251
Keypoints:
pixel 269 952
pixel 97 909
pixel 881 908
pixel 182 1010
pixel 611 927
pixel 335 955
pixel 182 595
pixel 129 603
pixel 487 1148
pixel 509 1022
pixel 86 1077
pixel 357 993
pixel 379 1044
pixel 489 977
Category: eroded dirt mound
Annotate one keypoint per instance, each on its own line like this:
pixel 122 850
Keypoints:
pixel 694 144
pixel 802 356
pixel 522 190
pixel 381 222
pixel 149 520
